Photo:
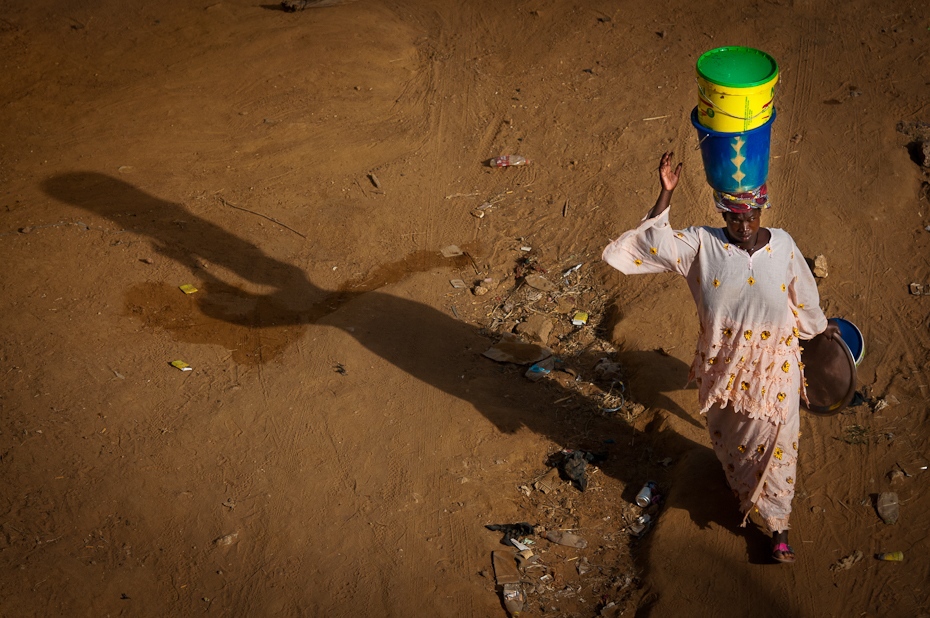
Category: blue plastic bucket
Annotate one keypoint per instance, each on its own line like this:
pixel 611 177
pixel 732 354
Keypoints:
pixel 735 162
pixel 852 337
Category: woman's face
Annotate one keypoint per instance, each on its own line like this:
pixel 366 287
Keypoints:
pixel 743 227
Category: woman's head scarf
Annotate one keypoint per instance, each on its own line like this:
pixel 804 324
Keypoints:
pixel 742 202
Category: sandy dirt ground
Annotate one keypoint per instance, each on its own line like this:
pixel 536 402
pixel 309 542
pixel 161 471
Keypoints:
pixel 341 442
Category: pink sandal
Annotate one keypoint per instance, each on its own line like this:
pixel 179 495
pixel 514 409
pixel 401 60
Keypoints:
pixel 782 552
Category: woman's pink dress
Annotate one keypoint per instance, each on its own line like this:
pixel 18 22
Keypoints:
pixel 752 309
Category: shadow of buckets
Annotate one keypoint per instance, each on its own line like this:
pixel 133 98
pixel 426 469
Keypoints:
pixel 735 162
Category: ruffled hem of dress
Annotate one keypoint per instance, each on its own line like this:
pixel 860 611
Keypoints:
pixel 777 415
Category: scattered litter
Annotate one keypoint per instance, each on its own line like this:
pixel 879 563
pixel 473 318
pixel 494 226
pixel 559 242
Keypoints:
pixel 511 530
pixel 526 248
pixel 642 524
pixel 508 161
pixel 538 371
pixel 538 282
pixel 895 556
pixel 514 598
pixel 458 284
pixel 510 349
pixel 573 269
pixel 526 557
pixel 226 541
pixel 918 289
pixel 374 180
pixel 887 507
pixel 847 563
pixel 187 288
pixel 451 251
pixel 649 494
pixel 479 290
pixel 566 538
pixel 179 364
pixel 505 567
pixel 573 465
pixel 580 318
pixel 549 482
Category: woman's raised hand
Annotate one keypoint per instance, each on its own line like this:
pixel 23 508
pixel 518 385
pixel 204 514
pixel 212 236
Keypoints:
pixel 667 177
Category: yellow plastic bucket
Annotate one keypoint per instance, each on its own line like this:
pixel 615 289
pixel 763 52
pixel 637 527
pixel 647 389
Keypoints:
pixel 736 88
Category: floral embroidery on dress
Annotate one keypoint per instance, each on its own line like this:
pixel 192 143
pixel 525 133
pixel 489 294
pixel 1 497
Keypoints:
pixel 794 445
pixel 786 367
pixel 781 396
pixel 716 283
pixel 790 480
pixel 744 386
pixel 784 288
pixel 680 235
pixel 638 262
pixel 741 448
pixel 765 335
pixel 747 335
pixel 778 453
pixel 789 340
pixel 730 381
pixel 760 449
pixel 727 332
pixel 751 281
pixel 653 251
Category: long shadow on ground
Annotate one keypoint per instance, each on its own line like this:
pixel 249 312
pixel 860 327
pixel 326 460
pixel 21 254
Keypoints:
pixel 428 344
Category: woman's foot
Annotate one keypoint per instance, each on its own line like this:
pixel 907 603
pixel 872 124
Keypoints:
pixel 781 551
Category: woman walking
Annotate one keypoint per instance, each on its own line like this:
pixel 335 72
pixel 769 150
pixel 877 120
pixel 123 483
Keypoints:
pixel 755 297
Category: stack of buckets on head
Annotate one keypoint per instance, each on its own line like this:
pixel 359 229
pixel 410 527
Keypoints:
pixel 734 116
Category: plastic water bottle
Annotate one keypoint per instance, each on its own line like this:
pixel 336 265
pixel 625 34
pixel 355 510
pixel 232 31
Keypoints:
pixel 508 161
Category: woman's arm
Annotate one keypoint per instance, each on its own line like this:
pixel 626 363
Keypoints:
pixel 669 180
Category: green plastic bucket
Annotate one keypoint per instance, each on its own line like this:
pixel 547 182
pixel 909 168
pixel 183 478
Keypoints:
pixel 736 88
